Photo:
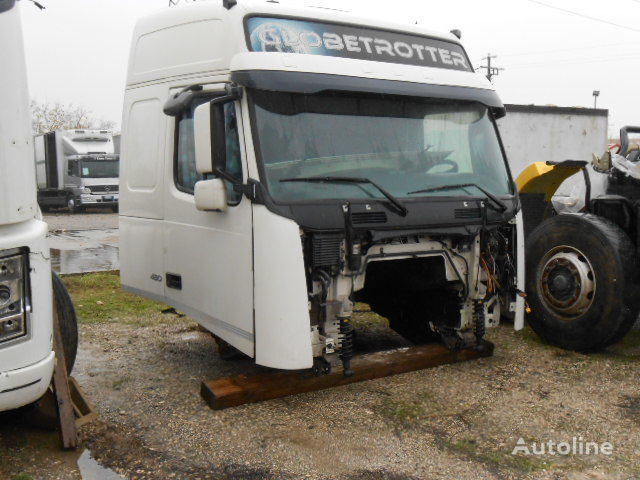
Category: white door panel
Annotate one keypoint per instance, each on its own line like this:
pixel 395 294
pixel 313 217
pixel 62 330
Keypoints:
pixel 142 256
pixel 211 253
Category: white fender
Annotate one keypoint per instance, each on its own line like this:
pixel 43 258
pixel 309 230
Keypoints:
pixel 282 324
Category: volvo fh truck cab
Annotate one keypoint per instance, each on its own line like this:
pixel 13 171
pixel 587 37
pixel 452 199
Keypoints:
pixel 26 287
pixel 280 164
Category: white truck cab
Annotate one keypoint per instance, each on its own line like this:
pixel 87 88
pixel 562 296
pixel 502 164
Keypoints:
pixel 281 163
pixel 77 169
pixel 26 355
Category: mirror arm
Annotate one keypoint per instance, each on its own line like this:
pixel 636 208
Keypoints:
pixel 226 176
pixel 251 189
pixel 233 93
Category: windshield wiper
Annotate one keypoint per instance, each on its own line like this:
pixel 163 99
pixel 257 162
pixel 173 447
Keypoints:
pixel 353 180
pixel 501 205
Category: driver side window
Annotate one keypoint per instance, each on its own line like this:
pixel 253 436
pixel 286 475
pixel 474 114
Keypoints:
pixel 72 168
pixel 185 172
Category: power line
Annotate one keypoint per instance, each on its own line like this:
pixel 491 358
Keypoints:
pixel 491 70
pixel 580 61
pixel 571 49
pixel 582 15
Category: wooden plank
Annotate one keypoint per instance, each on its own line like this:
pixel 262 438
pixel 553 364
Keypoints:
pixel 66 416
pixel 83 409
pixel 234 391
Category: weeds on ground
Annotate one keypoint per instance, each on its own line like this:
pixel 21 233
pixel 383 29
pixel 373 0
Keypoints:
pixel 499 459
pixel 99 298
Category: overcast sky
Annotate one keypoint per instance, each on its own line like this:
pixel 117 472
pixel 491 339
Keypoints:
pixel 77 49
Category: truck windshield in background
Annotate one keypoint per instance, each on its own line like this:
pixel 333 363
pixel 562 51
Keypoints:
pixel 403 146
pixel 99 168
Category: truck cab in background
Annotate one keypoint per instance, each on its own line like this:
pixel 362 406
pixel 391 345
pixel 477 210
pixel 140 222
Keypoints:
pixel 281 163
pixel 77 169
pixel 26 299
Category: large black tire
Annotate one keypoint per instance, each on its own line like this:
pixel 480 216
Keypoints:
pixel 580 311
pixel 68 321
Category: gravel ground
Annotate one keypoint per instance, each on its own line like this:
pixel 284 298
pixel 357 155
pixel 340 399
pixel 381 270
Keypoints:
pixel 458 421
pixel 93 219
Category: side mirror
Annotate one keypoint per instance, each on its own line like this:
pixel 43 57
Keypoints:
pixel 211 195
pixel 208 131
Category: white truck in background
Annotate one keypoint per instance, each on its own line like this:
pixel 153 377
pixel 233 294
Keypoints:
pixel 281 163
pixel 77 169
pixel 26 299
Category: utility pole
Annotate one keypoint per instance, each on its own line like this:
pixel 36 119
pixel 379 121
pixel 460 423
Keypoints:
pixel 491 70
pixel 596 94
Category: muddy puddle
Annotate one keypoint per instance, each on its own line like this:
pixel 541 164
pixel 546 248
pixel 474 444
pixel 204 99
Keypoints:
pixel 92 470
pixel 33 452
pixel 84 251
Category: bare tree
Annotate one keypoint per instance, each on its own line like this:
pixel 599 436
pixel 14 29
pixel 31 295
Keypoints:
pixel 47 117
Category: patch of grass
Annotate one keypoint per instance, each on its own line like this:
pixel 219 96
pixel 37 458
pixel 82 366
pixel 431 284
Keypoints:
pixel 412 412
pixel 402 411
pixel 118 383
pixel 22 476
pixel 501 459
pixel 364 318
pixel 99 298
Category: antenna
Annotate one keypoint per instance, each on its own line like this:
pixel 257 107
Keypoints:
pixel 39 5
pixel 228 4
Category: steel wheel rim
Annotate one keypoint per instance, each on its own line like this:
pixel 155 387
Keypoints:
pixel 566 281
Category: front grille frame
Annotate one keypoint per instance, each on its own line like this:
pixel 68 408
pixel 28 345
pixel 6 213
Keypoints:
pixel 364 218
pixel 101 189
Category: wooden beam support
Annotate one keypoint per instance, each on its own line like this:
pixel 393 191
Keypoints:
pixel 239 390
pixel 66 415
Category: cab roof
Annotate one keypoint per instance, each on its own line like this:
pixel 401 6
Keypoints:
pixel 203 38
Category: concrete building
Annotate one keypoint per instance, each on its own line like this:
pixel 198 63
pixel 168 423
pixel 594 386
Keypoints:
pixel 533 133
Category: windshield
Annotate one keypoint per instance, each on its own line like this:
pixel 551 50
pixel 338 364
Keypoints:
pixel 401 145
pixel 99 168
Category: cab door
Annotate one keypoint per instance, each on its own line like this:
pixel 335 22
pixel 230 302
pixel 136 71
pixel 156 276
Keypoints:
pixel 208 254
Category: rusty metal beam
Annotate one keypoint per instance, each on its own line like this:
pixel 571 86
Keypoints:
pixel 241 389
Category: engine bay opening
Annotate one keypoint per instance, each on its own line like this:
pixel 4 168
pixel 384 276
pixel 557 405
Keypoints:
pixel 414 295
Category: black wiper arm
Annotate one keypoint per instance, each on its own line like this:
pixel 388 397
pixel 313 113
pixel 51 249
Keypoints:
pixel 355 180
pixel 501 205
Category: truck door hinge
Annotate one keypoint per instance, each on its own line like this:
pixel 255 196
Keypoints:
pixel 252 190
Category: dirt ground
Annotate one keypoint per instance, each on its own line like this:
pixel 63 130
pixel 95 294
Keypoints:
pixel 142 369
pixel 92 219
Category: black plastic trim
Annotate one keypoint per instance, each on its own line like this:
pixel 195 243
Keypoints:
pixel 21 387
pixel 6 5
pixel 309 83
pixel 174 281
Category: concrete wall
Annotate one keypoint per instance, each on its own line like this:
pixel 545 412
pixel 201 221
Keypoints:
pixel 532 133
pixel 538 134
